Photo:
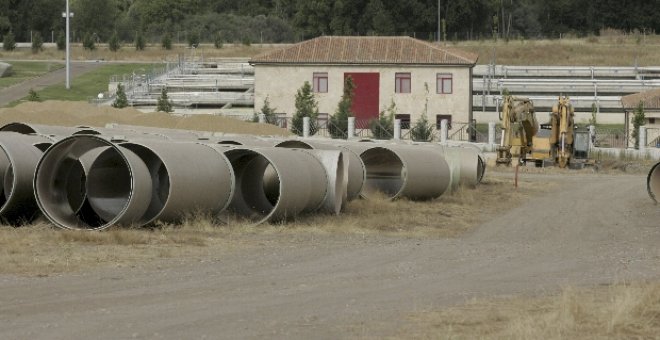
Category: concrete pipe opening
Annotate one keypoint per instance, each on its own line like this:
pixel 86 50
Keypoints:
pixel 276 184
pixel 413 172
pixel 186 178
pixel 88 183
pixel 653 183
pixel 355 176
pixel 18 161
pixel 27 129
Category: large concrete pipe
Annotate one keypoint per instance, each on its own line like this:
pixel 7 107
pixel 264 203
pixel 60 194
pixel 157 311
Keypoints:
pixel 399 170
pixel 18 160
pixel 274 184
pixel 50 130
pixel 356 174
pixel 337 179
pixel 115 189
pixel 468 167
pixel 653 183
pixel 185 177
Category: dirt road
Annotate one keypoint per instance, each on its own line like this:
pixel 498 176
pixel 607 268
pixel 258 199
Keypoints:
pixel 594 229
pixel 21 90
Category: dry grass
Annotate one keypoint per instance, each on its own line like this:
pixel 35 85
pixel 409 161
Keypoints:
pixel 624 311
pixel 40 249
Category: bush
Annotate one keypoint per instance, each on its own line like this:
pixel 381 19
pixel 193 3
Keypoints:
pixel 140 44
pixel 9 42
pixel 166 42
pixel 422 131
pixel 218 42
pixel 383 127
pixel 638 120
pixel 88 42
pixel 37 43
pixel 61 41
pixel 268 112
pixel 114 44
pixel 193 39
pixel 33 96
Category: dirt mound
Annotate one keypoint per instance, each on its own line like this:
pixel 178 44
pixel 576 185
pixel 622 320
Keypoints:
pixel 81 113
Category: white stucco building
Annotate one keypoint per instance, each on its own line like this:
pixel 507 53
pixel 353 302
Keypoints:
pixel 404 70
pixel 651 103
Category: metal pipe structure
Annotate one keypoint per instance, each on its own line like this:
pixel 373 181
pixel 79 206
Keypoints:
pixel 356 173
pixel 274 184
pixel 653 183
pixel 115 189
pixel 185 177
pixel 18 160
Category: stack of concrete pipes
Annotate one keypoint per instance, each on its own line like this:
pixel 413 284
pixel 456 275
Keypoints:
pixel 93 178
pixel 653 183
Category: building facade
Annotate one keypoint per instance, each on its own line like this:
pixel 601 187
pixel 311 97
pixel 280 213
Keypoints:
pixel 410 73
pixel 650 101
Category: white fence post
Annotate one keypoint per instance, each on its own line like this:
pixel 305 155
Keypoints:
pixel 491 135
pixel 642 138
pixel 351 127
pixel 306 125
pixel 444 130
pixel 397 129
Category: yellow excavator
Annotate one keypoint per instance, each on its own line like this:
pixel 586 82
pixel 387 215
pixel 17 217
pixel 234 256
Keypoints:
pixel 557 142
pixel 562 131
pixel 519 126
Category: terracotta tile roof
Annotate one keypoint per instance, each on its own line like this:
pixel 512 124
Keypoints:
pixel 650 98
pixel 366 50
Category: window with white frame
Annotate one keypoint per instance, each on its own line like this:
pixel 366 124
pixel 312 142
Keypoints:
pixel 321 82
pixel 444 83
pixel 402 82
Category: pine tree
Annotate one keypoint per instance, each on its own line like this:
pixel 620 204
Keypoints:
pixel 269 112
pixel 120 101
pixel 88 42
pixel 114 44
pixel 383 127
pixel 37 43
pixel 423 130
pixel 218 42
pixel 338 126
pixel 638 120
pixel 9 42
pixel 164 104
pixel 140 44
pixel 306 106
pixel 193 39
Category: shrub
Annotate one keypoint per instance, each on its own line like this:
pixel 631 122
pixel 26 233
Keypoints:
pixel 218 42
pixel 164 104
pixel 61 41
pixel 88 42
pixel 193 39
pixel 140 43
pixel 166 42
pixel 9 42
pixel 306 106
pixel 338 126
pixel 383 127
pixel 33 96
pixel 114 44
pixel 120 101
pixel 37 43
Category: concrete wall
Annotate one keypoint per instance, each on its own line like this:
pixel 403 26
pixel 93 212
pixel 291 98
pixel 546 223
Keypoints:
pixel 280 84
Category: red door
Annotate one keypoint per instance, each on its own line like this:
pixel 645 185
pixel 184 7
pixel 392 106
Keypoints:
pixel 366 98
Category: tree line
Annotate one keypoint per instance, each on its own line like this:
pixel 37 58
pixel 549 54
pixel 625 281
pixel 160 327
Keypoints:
pixel 295 20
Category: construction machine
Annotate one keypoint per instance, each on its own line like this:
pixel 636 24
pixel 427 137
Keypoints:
pixel 519 126
pixel 558 142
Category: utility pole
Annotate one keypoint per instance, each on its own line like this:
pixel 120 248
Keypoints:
pixel 439 20
pixel 67 15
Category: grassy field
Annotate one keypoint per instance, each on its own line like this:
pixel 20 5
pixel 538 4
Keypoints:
pixel 23 70
pixel 89 85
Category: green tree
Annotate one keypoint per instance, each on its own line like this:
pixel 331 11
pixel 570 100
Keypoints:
pixel 166 42
pixel 269 113
pixel 306 106
pixel 423 129
pixel 114 44
pixel 140 44
pixel 338 125
pixel 37 43
pixel 61 41
pixel 383 127
pixel 88 42
pixel 95 16
pixel 9 42
pixel 120 100
pixel 164 104
pixel 33 96
pixel 638 120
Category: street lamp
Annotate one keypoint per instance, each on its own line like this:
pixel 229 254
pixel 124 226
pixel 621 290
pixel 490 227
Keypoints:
pixel 67 15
